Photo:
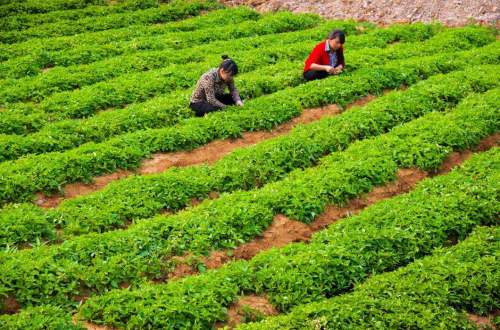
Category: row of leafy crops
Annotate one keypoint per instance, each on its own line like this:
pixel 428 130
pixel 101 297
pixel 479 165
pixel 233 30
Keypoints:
pixel 49 46
pixel 172 108
pixel 427 294
pixel 67 78
pixel 11 7
pixel 268 24
pixel 435 304
pixel 383 237
pixel 91 264
pixel 89 96
pixel 15 121
pixel 21 178
pixel 145 196
pixel 390 228
pixel 25 21
pixel 155 14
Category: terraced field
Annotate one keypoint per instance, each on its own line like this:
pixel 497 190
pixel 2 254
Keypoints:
pixel 367 200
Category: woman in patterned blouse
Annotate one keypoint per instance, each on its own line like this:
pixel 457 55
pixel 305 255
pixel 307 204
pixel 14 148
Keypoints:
pixel 209 94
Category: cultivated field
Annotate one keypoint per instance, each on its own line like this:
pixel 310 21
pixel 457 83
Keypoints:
pixel 366 200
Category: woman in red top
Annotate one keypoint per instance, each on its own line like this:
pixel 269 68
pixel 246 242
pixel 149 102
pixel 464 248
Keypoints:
pixel 327 57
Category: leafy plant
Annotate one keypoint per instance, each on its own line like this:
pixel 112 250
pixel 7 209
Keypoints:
pixel 428 293
pixel 47 172
pixel 383 237
pixel 98 262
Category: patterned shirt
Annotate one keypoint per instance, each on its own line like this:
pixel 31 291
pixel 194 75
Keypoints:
pixel 211 85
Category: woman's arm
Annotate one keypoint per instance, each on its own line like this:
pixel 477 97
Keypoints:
pixel 208 86
pixel 234 93
pixel 319 67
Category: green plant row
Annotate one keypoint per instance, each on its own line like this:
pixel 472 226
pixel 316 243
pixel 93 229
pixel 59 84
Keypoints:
pixel 160 111
pixel 152 14
pixel 427 294
pixel 24 119
pixel 144 196
pixel 129 90
pixel 21 178
pixel 385 236
pixel 8 8
pixel 168 109
pixel 85 101
pixel 66 78
pixel 163 111
pixel 64 44
pixel 39 318
pixel 132 87
pixel 170 43
pixel 91 264
pixel 389 301
pixel 24 21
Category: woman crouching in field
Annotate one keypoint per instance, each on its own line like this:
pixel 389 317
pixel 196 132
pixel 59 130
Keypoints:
pixel 209 93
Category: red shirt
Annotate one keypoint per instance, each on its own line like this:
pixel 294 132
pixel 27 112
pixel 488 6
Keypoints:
pixel 320 56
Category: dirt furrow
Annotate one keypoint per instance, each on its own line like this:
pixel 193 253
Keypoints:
pixel 284 231
pixel 208 153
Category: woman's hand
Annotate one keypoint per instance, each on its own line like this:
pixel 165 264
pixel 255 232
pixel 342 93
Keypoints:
pixel 335 70
pixel 330 69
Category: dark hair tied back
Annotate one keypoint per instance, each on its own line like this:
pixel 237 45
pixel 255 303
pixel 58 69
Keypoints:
pixel 337 34
pixel 229 65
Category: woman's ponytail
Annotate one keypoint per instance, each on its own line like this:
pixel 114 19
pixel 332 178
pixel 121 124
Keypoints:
pixel 229 65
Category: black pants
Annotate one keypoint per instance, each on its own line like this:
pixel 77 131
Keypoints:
pixel 313 75
pixel 202 108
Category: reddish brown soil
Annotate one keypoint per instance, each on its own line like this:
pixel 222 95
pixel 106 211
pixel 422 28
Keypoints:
pixel 484 322
pixel 216 259
pixel 459 157
pixel 488 142
pixel 453 159
pixel 208 153
pixel 9 305
pixel 88 325
pixel 182 269
pixel 186 265
pixel 283 231
pixel 236 312
pixel 217 149
pixel 77 189
pixel 405 181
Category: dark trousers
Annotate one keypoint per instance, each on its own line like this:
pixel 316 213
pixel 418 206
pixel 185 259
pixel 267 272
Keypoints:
pixel 313 75
pixel 202 108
